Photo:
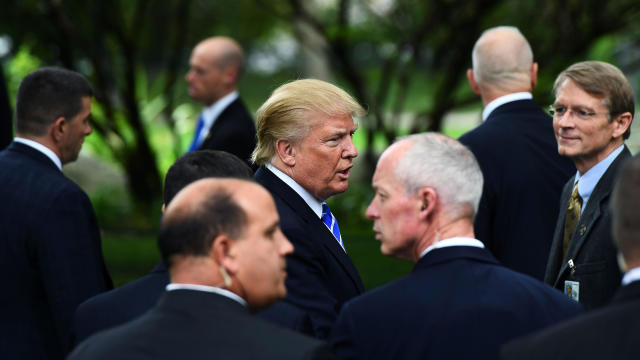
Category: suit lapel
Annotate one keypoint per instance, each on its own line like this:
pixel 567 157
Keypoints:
pixel 593 211
pixel 321 232
pixel 220 120
pixel 555 255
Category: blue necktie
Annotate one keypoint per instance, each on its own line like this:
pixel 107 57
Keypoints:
pixel 195 143
pixel 330 220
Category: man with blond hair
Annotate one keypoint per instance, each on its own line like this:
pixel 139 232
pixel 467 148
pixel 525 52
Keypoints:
pixel 305 150
pixel 458 302
pixel 225 124
pixel 516 150
pixel 593 110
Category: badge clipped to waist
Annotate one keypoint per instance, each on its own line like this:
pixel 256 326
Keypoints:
pixel 572 289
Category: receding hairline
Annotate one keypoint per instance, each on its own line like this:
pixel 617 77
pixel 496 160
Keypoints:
pixel 217 48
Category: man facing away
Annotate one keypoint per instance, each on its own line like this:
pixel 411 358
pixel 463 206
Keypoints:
pixel 517 152
pixel 459 302
pixel 612 331
pixel 305 150
pixel 593 110
pixel 222 243
pixel 225 124
pixel 50 249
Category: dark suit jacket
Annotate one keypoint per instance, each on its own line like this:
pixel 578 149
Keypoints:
pixel 591 246
pixel 233 131
pixel 320 275
pixel 523 178
pixel 458 303
pixel 188 324
pixel 130 301
pixel 50 255
pixel 607 333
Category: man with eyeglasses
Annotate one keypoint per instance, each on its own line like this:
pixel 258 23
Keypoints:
pixel 225 124
pixel 592 115
pixel 516 150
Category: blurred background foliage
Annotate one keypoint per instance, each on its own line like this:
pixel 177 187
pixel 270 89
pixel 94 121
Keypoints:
pixel 404 60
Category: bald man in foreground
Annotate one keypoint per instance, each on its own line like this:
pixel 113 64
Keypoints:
pixel 222 243
pixel 225 124
pixel 517 152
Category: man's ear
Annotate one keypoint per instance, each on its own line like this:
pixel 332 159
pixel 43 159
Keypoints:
pixel 286 152
pixel 58 129
pixel 472 82
pixel 621 123
pixel 221 253
pixel 533 73
pixel 428 201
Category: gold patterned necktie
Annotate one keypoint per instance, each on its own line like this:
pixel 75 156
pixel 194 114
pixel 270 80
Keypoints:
pixel 572 217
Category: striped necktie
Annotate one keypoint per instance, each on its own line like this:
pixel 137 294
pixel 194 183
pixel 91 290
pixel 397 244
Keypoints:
pixel 572 218
pixel 195 143
pixel 330 220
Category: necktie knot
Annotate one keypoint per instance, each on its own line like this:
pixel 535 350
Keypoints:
pixel 332 224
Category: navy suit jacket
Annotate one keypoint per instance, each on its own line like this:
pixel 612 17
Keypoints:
pixel 320 275
pixel 233 131
pixel 50 255
pixel 607 333
pixel 523 178
pixel 591 246
pixel 132 300
pixel 188 324
pixel 458 303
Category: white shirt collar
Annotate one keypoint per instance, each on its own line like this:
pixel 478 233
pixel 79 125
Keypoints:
pixel 211 113
pixel 589 180
pixel 311 201
pixel 210 289
pixel 43 149
pixel 631 276
pixel 455 241
pixel 503 100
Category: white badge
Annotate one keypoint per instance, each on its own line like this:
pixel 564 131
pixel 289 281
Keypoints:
pixel 572 289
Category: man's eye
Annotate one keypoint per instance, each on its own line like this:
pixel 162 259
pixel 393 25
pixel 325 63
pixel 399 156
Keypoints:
pixel 583 113
pixel 560 110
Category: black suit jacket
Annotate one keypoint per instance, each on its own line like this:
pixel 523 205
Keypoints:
pixel 233 131
pixel 591 246
pixel 320 275
pixel 50 255
pixel 188 324
pixel 523 178
pixel 607 333
pixel 458 303
pixel 132 300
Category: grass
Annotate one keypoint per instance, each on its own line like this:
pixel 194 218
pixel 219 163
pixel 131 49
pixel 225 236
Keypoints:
pixel 129 257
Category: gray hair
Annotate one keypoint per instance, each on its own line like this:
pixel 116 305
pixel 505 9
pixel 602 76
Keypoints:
pixel 444 164
pixel 502 56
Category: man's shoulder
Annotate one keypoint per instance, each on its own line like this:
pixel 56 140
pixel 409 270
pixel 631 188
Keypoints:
pixel 598 334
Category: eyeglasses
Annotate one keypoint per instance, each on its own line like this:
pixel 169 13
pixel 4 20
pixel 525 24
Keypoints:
pixel 558 111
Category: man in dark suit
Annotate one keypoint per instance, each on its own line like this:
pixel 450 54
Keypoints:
pixel 6 129
pixel 222 243
pixel 459 302
pixel 225 124
pixel 50 250
pixel 593 110
pixel 610 332
pixel 305 149
pixel 127 302
pixel 517 153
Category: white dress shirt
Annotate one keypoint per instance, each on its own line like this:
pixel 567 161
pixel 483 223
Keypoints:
pixel 210 289
pixel 43 149
pixel 503 100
